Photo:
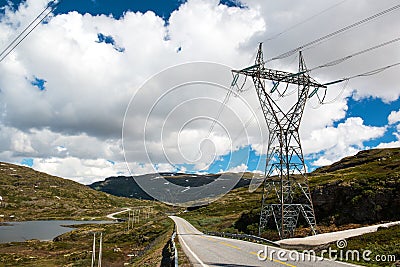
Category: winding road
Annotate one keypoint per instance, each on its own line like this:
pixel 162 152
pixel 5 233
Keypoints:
pixel 206 251
pixel 111 216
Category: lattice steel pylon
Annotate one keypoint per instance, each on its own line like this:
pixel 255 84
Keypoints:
pixel 285 177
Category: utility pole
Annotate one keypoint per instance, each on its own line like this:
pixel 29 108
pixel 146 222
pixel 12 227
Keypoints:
pixel 94 250
pixel 285 174
pixel 100 250
pixel 133 217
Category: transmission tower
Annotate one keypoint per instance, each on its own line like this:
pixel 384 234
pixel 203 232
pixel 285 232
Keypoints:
pixel 285 176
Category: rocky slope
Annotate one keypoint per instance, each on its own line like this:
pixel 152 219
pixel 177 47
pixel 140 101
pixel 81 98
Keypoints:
pixel 357 190
pixel 360 189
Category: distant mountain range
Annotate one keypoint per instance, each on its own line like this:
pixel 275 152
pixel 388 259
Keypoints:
pixel 127 186
pixel 363 188
pixel 359 189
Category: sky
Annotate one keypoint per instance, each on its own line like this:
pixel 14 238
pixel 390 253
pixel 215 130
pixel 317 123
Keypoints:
pixel 100 89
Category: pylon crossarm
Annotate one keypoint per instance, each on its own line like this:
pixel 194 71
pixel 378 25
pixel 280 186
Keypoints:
pixel 299 78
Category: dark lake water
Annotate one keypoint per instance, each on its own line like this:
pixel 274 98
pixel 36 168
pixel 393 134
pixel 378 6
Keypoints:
pixel 41 230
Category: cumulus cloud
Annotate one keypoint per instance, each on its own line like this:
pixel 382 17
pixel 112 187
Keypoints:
pixel 309 20
pixel 83 171
pixel 90 66
pixel 64 90
pixel 394 117
pixel 240 168
pixel 344 140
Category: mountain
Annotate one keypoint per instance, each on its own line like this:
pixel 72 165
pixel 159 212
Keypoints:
pixel 27 194
pixel 385 160
pixel 357 190
pixel 361 189
pixel 128 187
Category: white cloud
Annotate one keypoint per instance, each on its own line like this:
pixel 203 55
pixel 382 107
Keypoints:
pixel 83 171
pixel 393 143
pixel 88 84
pixel 282 15
pixel 344 140
pixel 240 168
pixel 20 143
pixel 394 117
pixel 393 120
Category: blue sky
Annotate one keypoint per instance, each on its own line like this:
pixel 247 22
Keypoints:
pixel 116 9
pixel 374 112
pixel 74 88
pixel 119 7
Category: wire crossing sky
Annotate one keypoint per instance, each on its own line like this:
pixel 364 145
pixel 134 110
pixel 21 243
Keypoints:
pixel 330 35
pixel 52 5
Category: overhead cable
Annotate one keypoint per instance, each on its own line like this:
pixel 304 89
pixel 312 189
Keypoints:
pixel 51 6
pixel 274 36
pixel 364 74
pixel 318 40
pixel 340 60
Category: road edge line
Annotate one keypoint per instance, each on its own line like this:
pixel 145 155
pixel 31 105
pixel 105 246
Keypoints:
pixel 194 255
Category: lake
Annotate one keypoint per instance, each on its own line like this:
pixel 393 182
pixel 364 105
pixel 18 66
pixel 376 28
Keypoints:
pixel 41 230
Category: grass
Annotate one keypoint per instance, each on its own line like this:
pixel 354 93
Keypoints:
pixel 221 215
pixel 355 191
pixel 32 195
pixel 145 239
pixel 351 193
pixel 383 244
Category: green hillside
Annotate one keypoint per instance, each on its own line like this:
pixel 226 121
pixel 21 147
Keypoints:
pixel 30 195
pixel 358 190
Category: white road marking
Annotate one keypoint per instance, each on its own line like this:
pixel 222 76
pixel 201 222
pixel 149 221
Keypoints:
pixel 194 255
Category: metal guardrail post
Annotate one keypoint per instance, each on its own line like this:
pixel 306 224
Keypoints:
pixel 175 250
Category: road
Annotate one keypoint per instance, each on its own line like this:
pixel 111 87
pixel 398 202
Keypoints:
pixel 206 251
pixel 325 238
pixel 111 216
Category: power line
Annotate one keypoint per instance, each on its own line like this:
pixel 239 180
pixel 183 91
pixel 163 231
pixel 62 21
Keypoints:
pixel 340 60
pixel 220 110
pixel 270 38
pixel 318 40
pixel 304 21
pixel 370 73
pixel 52 5
pixel 364 74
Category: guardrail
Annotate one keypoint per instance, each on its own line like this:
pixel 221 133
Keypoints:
pixel 175 249
pixel 246 237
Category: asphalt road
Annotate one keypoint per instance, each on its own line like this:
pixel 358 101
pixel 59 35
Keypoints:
pixel 326 238
pixel 204 250
pixel 111 216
